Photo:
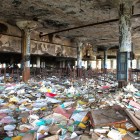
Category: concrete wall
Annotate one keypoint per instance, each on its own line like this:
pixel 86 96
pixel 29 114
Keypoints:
pixel 10 41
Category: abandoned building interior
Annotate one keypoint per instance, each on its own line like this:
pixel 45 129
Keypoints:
pixel 69 69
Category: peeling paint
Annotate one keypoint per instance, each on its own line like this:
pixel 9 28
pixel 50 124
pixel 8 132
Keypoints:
pixel 13 44
pixel 125 27
pixel 10 44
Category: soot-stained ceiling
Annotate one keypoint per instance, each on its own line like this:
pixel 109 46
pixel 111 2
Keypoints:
pixel 57 15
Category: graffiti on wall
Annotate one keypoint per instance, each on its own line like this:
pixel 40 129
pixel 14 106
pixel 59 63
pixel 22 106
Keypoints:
pixel 13 44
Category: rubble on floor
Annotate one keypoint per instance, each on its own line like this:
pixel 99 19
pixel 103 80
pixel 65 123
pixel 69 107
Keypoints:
pixel 69 109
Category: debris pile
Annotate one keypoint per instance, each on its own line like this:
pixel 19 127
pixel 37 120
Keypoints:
pixel 68 109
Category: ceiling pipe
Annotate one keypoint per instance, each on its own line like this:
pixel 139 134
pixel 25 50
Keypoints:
pixel 88 25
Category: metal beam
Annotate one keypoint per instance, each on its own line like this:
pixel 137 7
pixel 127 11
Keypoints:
pixel 83 26
pixel 88 25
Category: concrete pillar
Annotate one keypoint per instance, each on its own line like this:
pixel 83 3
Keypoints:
pixel 138 62
pixel 26 55
pixel 61 64
pixel 97 64
pixel 38 62
pixel 26 27
pixel 89 64
pixel 125 26
pixel 125 42
pixel 112 63
pixel 102 64
pixel 79 55
pixel 105 61
pixel 44 64
pixel 64 65
pixel 79 59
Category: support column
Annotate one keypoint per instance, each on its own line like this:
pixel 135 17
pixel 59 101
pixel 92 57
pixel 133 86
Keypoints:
pixel 102 65
pixel 125 26
pixel 79 59
pixel 125 48
pixel 112 64
pixel 137 67
pixel 38 62
pixel 97 64
pixel 89 64
pixel 79 55
pixel 26 55
pixel 44 64
pixel 105 61
pixel 63 64
pixel 26 27
pixel 138 62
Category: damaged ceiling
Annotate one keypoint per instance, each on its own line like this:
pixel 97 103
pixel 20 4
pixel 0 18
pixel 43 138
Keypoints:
pixel 54 16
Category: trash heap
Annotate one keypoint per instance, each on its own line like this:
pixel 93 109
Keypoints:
pixel 68 109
